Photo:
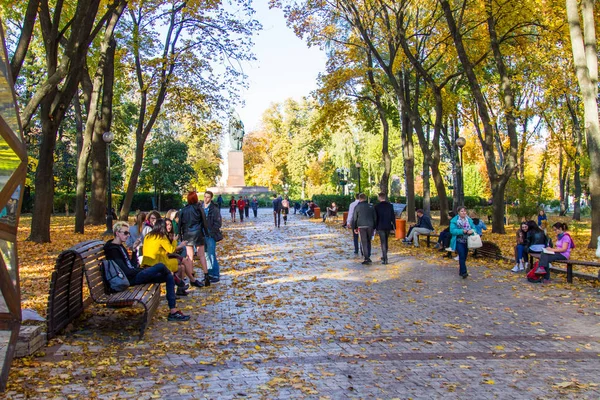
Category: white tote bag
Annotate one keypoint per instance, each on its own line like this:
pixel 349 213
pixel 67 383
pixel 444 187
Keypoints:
pixel 474 241
pixel 598 248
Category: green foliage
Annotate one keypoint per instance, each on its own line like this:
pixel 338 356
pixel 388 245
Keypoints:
pixel 173 171
pixel 325 200
pixel 475 183
pixel 143 201
pixel 528 211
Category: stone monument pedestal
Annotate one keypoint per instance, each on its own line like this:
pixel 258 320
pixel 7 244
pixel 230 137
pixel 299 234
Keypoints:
pixel 235 161
pixel 236 183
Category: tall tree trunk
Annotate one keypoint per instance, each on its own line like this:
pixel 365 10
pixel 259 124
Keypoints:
pixel 408 151
pixel 25 38
pixel 99 155
pixel 542 176
pixel 55 104
pixel 96 208
pixel 586 66
pixel 426 187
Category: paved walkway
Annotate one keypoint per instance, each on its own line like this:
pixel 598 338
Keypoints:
pixel 297 316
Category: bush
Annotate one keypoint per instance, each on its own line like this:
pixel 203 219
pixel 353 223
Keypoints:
pixel 527 211
pixel 324 200
pixel 143 201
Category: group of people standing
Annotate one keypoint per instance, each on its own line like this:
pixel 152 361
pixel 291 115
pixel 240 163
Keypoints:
pixel 242 205
pixel 162 250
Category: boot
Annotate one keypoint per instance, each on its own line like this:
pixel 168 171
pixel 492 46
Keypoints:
pixel 206 280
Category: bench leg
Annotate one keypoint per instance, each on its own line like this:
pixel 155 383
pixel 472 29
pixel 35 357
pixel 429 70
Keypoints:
pixel 570 273
pixel 428 240
pixel 144 324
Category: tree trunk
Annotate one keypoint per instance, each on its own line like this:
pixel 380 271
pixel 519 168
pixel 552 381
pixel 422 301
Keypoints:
pixel 25 38
pixel 498 207
pixel 586 66
pixel 44 177
pixel 426 187
pixel 99 155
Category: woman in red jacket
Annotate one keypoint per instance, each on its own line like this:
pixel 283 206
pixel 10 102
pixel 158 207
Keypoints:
pixel 241 204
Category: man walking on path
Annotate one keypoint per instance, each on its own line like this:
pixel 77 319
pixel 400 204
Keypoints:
pixel 254 205
pixel 213 235
pixel 423 226
pixel 220 201
pixel 349 222
pixel 364 221
pixel 247 206
pixel 277 210
pixel 385 223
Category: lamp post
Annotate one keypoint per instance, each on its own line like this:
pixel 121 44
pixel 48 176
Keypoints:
pixel 358 168
pixel 155 163
pixel 461 142
pixel 108 138
pixel 286 188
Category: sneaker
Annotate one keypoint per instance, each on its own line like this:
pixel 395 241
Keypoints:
pixel 181 292
pixel 197 283
pixel 448 249
pixel 516 268
pixel 367 261
pixel 464 276
pixel 437 246
pixel 456 258
pixel 178 316
pixel 521 268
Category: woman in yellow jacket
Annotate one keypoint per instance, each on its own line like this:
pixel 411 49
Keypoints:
pixel 157 248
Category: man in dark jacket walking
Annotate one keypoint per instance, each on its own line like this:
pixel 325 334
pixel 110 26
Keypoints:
pixel 277 210
pixel 212 236
pixel 385 223
pixel 364 221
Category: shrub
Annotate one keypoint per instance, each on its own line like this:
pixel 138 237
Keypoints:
pixel 521 211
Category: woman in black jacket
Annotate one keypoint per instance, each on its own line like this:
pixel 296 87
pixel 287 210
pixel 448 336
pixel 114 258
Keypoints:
pixel 192 225
pixel 386 220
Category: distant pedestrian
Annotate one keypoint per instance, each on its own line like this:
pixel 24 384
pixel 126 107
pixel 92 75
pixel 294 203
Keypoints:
pixel 246 206
pixel 542 220
pixel 220 201
pixel 254 206
pixel 277 210
pixel 232 208
pixel 461 227
pixel 241 205
pixel 296 206
pixel 385 223
pixel 349 222
pixel 285 209
pixel 364 221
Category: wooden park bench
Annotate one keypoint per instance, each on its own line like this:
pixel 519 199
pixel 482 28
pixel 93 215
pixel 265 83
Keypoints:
pixel 65 300
pixel 569 271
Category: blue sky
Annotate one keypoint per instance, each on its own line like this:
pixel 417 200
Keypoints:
pixel 285 66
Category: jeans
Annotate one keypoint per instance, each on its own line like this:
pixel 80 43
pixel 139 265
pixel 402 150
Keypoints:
pixel 462 250
pixel 210 247
pixel 255 211
pixel 241 214
pixel 365 241
pixel 247 211
pixel 158 273
pixel 355 240
pixel 277 218
pixel 384 235
pixel 414 235
pixel 546 259
pixel 520 252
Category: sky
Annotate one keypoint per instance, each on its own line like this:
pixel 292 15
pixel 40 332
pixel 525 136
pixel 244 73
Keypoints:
pixel 284 66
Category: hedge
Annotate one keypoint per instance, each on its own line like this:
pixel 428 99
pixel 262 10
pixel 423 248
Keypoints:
pixel 343 202
pixel 141 201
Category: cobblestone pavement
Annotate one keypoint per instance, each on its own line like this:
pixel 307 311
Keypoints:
pixel 297 316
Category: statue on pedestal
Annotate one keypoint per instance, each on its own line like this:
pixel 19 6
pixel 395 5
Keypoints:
pixel 236 131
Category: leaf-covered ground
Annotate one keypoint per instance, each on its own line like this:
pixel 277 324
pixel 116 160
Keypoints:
pixel 297 316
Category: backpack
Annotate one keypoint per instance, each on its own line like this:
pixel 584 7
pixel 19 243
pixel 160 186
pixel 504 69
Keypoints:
pixel 532 276
pixel 114 279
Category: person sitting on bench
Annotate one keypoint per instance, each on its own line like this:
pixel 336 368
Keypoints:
pixel 331 211
pixel 423 226
pixel 115 250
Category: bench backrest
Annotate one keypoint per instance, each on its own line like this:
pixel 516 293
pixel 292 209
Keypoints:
pixel 65 300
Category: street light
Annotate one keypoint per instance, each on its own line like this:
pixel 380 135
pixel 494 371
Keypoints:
pixel 286 188
pixel 108 138
pixel 461 142
pixel 358 168
pixel 155 163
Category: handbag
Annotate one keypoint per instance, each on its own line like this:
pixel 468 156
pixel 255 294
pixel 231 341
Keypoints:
pixel 474 241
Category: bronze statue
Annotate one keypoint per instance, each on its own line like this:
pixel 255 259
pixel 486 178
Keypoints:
pixel 236 131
